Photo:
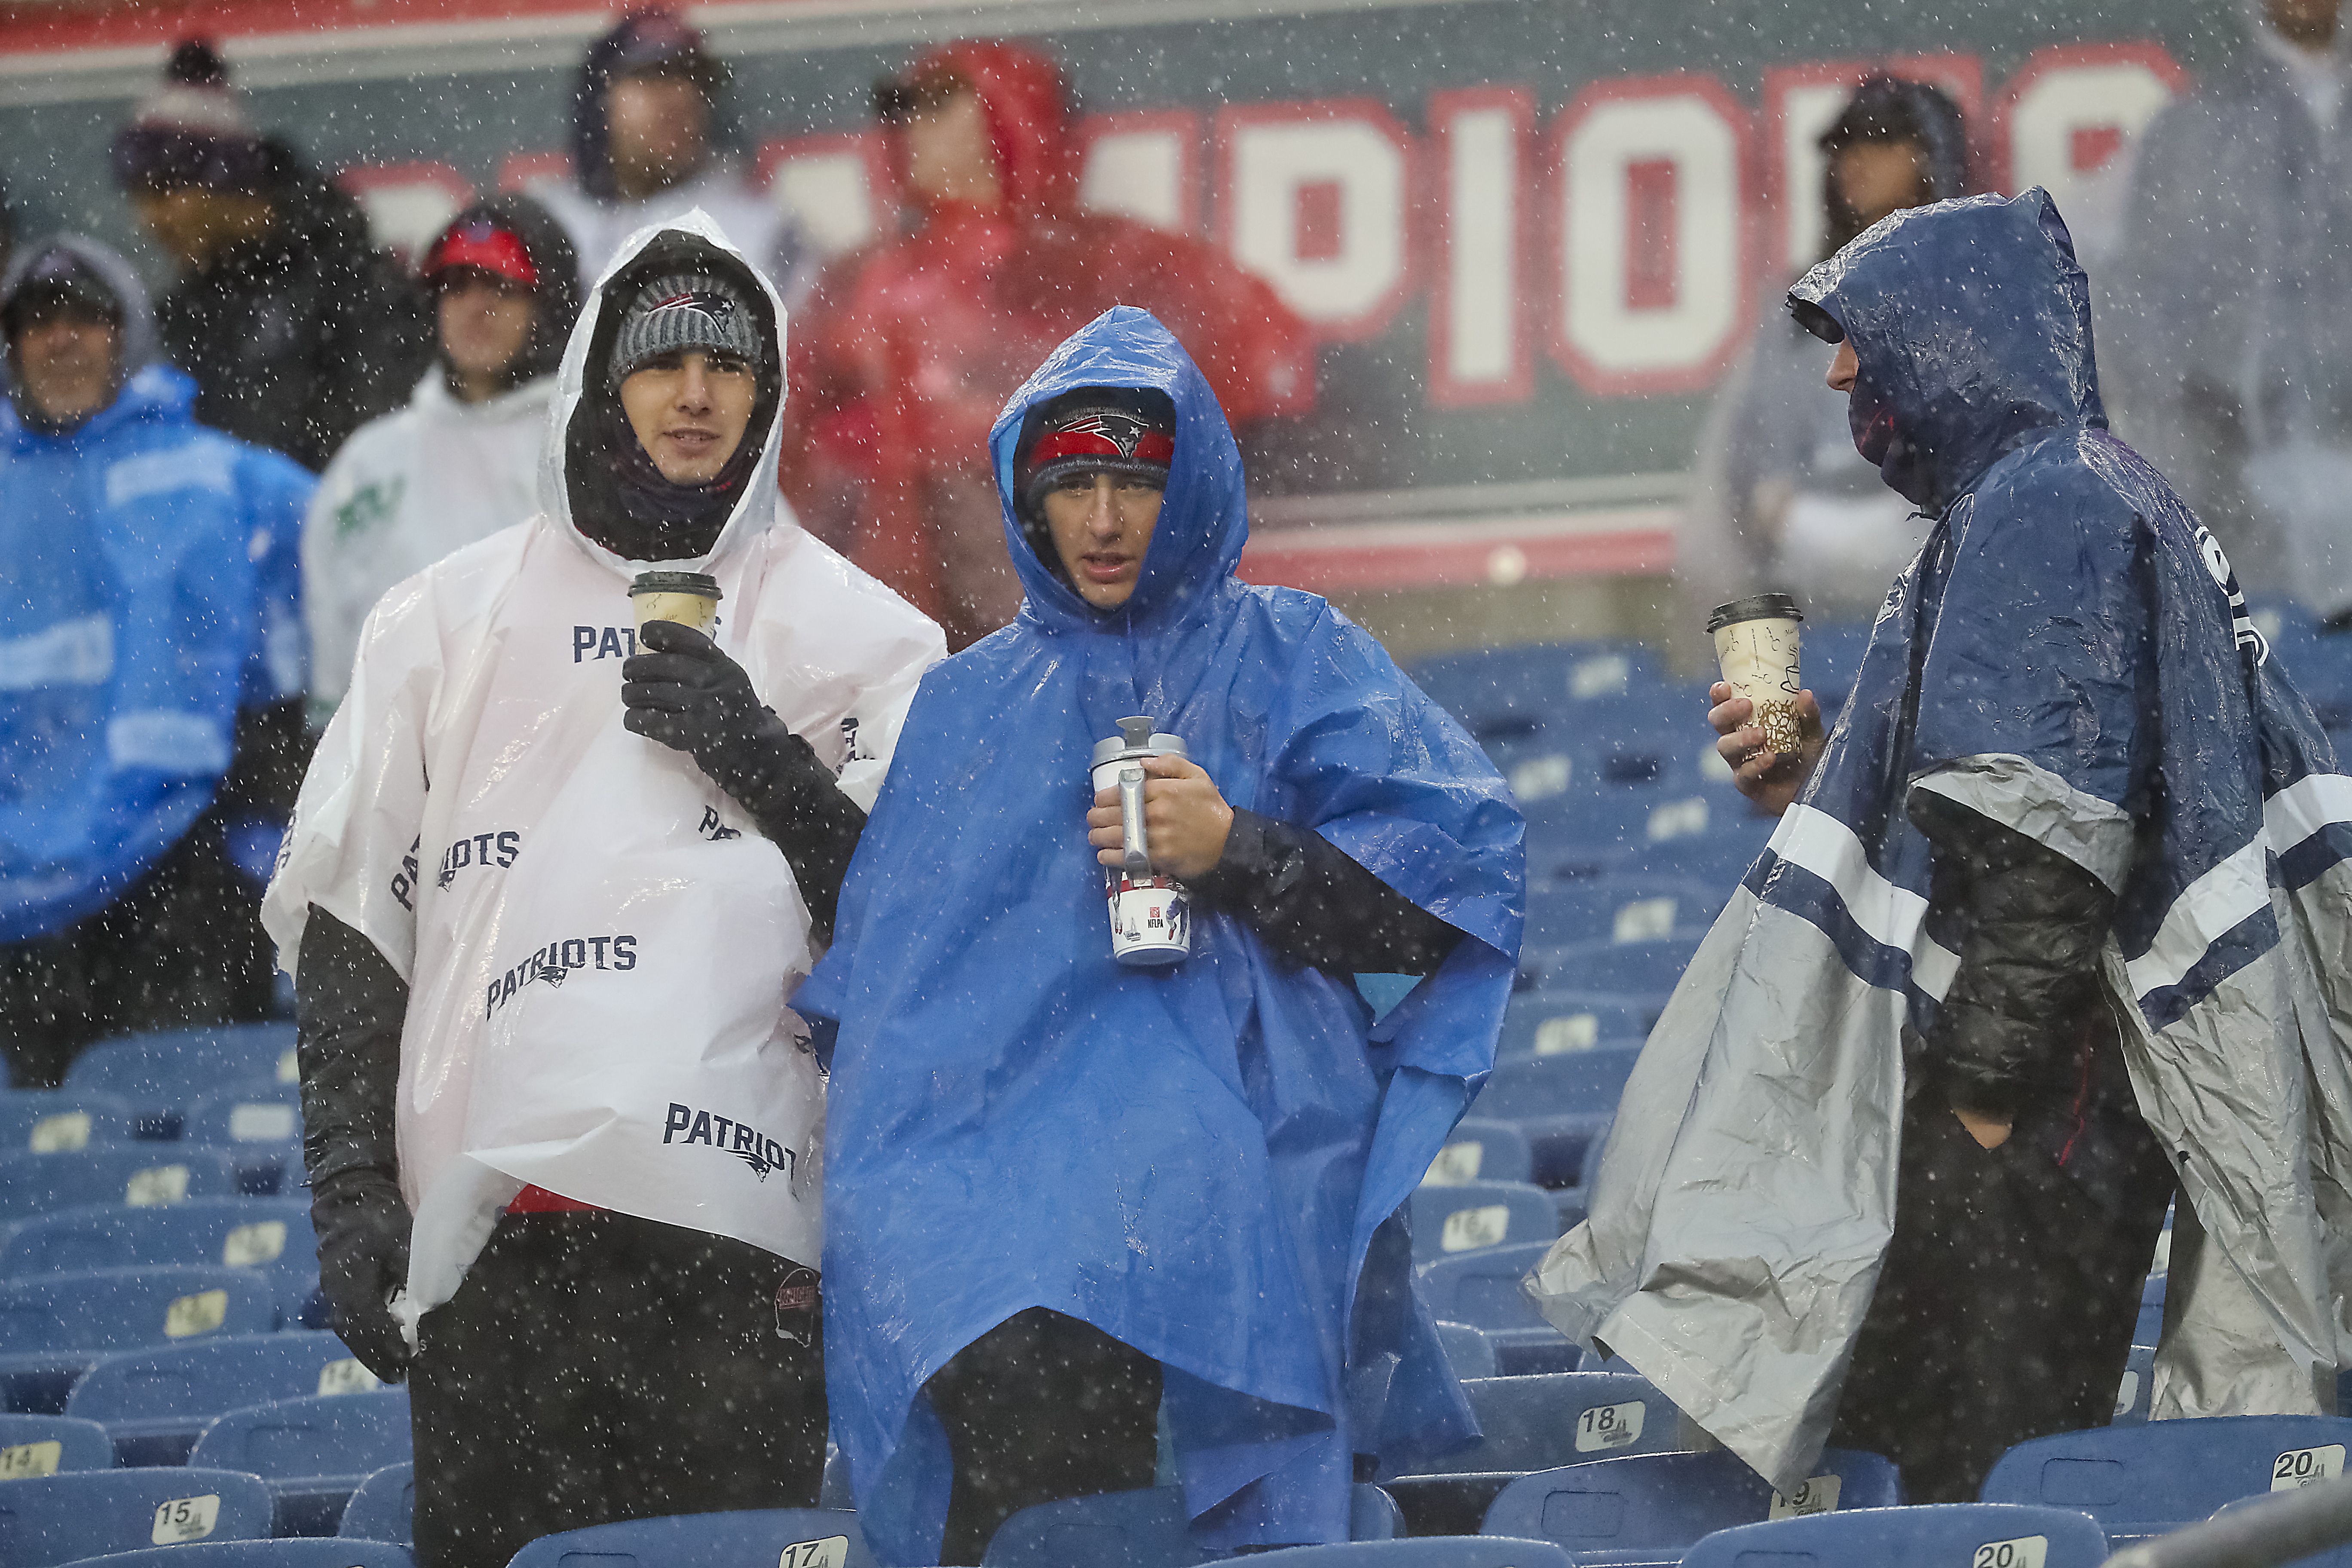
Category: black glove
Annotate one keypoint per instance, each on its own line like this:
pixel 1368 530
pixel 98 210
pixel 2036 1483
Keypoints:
pixel 691 697
pixel 362 1226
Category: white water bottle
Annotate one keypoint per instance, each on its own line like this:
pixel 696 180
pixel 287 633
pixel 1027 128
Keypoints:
pixel 1150 914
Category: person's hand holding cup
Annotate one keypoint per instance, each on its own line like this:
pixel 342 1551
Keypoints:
pixel 1769 725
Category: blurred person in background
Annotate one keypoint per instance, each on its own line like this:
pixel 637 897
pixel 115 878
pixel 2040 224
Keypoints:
pixel 1067 1196
pixel 138 745
pixel 1890 1171
pixel 296 330
pixel 550 888
pixel 647 148
pixel 461 461
pixel 2230 318
pixel 1779 498
pixel 913 343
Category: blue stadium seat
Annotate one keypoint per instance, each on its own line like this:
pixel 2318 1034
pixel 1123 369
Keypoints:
pixel 55 1327
pixel 263 1554
pixel 1651 1507
pixel 1563 1103
pixel 175 1066
pixel 1467 1349
pixel 139 1175
pixel 1482 1288
pixel 1479 1151
pixel 1441 1552
pixel 245 1232
pixel 1561 1418
pixel 1631 967
pixel 88 1514
pixel 258 1113
pixel 1716 859
pixel 2132 1391
pixel 49 1445
pixel 1949 1535
pixel 314 1452
pixel 61 1121
pixel 1561 1022
pixel 1618 907
pixel 385 1507
pixel 154 1404
pixel 762 1538
pixel 1144 1528
pixel 1473 1215
pixel 2143 1481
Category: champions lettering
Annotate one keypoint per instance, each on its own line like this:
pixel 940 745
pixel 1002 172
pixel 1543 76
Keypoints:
pixel 483 849
pixel 555 962
pixel 747 1145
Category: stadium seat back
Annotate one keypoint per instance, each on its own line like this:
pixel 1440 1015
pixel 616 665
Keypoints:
pixel 1481 1150
pixel 1468 1351
pixel 61 1121
pixel 140 1175
pixel 1561 1418
pixel 335 1435
pixel 258 1113
pixel 1668 1501
pixel 765 1538
pixel 177 1067
pixel 155 1403
pixel 2132 1390
pixel 327 1553
pixel 1565 1023
pixel 89 1513
pixel 122 1308
pixel 1618 907
pixel 33 1445
pixel 385 1507
pixel 1468 1216
pixel 1652 967
pixel 1947 1535
pixel 234 1233
pixel 1482 1288
pixel 1442 1552
pixel 1582 1083
pixel 2142 1479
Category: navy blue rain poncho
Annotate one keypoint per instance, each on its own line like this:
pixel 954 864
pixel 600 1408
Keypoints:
pixel 1193 1160
pixel 2068 657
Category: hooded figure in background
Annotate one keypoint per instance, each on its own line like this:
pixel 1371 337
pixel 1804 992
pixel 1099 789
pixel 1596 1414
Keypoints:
pixel 553 881
pixel 2229 314
pixel 648 146
pixel 143 730
pixel 914 343
pixel 461 461
pixel 2059 917
pixel 1067 1193
pixel 296 330
pixel 1782 499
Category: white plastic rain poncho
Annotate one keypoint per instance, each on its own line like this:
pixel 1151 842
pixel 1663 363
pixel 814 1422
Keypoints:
pixel 599 945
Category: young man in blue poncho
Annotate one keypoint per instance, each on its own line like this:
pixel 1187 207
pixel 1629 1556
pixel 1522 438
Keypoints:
pixel 2055 924
pixel 1064 1195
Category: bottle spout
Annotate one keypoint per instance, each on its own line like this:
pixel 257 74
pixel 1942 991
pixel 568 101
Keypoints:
pixel 1136 732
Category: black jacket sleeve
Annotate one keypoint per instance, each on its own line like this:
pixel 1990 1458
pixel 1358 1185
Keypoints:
pixel 794 801
pixel 349 1004
pixel 1311 903
pixel 2030 925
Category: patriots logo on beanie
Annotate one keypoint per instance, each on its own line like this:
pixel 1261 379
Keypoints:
pixel 682 313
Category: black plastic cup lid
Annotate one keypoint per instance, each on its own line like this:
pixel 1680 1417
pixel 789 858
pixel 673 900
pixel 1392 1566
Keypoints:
pixel 674 583
pixel 1755 607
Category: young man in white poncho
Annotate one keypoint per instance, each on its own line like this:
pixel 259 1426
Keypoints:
pixel 549 890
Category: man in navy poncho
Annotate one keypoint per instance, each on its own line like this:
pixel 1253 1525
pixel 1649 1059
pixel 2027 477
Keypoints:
pixel 1063 1194
pixel 2058 918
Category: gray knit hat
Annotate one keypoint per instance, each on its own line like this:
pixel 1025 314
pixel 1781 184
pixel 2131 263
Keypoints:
pixel 686 311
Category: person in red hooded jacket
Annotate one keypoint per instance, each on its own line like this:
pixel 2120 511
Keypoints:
pixel 912 344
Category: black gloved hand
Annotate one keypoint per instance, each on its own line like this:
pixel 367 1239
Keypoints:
pixel 692 698
pixel 362 1226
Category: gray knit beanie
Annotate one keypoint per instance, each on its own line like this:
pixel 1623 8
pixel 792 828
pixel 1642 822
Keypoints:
pixel 686 311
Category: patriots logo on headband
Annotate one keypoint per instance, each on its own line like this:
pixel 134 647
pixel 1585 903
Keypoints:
pixel 1104 433
pixel 1123 433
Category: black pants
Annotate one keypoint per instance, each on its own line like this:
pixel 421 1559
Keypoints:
pixel 2005 1308
pixel 1040 1408
pixel 183 946
pixel 595 1367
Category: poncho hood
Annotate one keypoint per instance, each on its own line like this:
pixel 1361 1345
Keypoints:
pixel 1971 323
pixel 1205 1151
pixel 1026 104
pixel 137 332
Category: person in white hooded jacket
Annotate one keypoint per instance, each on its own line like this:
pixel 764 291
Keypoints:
pixel 550 885
pixel 461 460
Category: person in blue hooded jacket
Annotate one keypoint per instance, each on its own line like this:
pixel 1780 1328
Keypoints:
pixel 1063 1195
pixel 2053 926
pixel 151 724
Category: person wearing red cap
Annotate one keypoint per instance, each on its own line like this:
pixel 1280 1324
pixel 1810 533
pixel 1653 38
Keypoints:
pixel 910 347
pixel 461 460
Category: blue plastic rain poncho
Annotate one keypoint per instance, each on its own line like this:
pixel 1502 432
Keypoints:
pixel 148 564
pixel 2068 657
pixel 1193 1159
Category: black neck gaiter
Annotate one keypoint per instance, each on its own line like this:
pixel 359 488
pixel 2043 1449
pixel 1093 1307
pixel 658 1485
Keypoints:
pixel 653 519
